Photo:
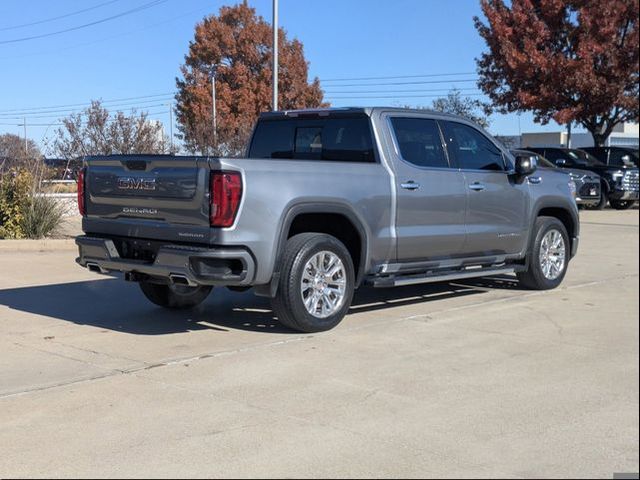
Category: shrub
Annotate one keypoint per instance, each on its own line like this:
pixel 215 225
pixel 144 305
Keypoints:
pixel 16 187
pixel 23 212
pixel 41 217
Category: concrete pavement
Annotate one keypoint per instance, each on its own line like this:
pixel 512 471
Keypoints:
pixel 463 379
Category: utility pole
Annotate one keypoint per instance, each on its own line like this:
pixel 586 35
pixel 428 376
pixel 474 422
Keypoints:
pixel 569 135
pixel 26 145
pixel 213 107
pixel 275 55
pixel 171 125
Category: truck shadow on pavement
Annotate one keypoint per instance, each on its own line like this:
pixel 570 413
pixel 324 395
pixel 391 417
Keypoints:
pixel 112 304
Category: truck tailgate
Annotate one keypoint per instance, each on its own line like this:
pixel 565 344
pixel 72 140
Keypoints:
pixel 155 193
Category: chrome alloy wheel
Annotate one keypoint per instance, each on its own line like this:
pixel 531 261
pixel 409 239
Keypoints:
pixel 553 254
pixel 323 284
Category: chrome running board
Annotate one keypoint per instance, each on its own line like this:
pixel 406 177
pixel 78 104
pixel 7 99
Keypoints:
pixel 428 277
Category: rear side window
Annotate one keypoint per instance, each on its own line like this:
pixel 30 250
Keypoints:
pixel 419 142
pixel 339 139
pixel 472 149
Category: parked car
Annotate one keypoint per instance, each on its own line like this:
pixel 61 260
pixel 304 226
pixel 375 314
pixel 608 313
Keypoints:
pixel 615 156
pixel 328 200
pixel 587 183
pixel 619 184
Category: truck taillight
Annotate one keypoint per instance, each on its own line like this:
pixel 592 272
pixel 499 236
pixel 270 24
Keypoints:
pixel 225 195
pixel 81 203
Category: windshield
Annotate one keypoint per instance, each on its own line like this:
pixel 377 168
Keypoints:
pixel 543 162
pixel 580 156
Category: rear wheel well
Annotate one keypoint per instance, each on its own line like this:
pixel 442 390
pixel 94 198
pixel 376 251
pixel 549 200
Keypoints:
pixel 336 225
pixel 564 216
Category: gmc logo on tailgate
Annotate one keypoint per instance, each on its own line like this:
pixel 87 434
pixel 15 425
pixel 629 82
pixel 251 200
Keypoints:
pixel 133 183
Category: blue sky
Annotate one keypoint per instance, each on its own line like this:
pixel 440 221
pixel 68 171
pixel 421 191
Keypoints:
pixel 140 54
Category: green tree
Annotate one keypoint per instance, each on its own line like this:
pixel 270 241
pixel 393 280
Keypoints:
pixel 456 104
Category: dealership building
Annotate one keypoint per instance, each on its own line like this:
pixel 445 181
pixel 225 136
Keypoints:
pixel 623 135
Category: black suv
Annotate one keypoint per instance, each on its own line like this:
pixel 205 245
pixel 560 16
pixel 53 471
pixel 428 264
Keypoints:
pixel 619 183
pixel 587 183
pixel 615 156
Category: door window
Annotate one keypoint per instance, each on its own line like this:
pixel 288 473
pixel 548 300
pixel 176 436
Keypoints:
pixel 471 149
pixel 419 142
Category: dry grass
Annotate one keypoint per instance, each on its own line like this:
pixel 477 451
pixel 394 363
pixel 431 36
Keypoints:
pixel 59 188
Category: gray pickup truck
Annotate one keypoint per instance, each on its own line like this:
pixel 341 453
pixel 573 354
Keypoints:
pixel 326 201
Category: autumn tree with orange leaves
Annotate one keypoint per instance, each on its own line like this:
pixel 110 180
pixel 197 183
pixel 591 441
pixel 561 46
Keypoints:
pixel 566 60
pixel 239 44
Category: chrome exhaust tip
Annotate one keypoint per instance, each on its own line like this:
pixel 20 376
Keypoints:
pixel 178 279
pixel 94 267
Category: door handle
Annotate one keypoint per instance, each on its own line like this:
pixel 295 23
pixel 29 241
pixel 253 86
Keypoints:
pixel 535 180
pixel 477 186
pixel 411 185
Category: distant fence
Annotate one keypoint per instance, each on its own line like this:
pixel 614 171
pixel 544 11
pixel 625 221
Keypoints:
pixel 47 182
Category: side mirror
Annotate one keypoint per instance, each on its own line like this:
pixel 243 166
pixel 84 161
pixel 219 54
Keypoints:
pixel 561 162
pixel 526 164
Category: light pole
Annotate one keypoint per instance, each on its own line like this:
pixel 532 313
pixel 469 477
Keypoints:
pixel 26 143
pixel 275 55
pixel 170 105
pixel 171 125
pixel 213 106
pixel 212 73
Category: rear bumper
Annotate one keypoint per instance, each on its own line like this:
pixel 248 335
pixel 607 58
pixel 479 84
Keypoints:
pixel 172 263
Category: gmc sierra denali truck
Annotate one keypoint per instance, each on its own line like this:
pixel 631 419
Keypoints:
pixel 326 201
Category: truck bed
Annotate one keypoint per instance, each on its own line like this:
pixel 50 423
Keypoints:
pixel 166 198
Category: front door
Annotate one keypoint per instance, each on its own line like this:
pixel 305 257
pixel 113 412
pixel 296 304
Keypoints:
pixel 431 196
pixel 497 203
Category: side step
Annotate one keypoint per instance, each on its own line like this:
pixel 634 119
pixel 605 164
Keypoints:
pixel 429 277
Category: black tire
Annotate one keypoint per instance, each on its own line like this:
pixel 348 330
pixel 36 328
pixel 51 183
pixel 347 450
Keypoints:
pixel 534 278
pixel 288 304
pixel 621 204
pixel 174 296
pixel 604 198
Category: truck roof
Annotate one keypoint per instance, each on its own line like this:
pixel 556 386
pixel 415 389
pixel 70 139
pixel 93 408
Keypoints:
pixel 342 111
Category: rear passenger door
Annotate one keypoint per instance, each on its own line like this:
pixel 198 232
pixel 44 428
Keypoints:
pixel 496 221
pixel 431 194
